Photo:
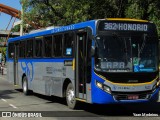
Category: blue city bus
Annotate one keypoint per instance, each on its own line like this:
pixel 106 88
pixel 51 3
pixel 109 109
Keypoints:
pixel 103 61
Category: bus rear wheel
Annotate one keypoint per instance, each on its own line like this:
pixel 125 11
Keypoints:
pixel 70 97
pixel 25 86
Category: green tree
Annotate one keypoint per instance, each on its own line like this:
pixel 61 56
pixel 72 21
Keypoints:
pixel 107 8
pixel 45 13
pixel 16 28
pixel 144 9
pixel 58 12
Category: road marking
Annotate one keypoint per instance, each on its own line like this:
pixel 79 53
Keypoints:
pixel 9 104
pixel 12 106
pixel 3 100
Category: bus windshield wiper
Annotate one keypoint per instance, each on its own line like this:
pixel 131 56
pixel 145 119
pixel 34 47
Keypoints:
pixel 140 49
pixel 126 51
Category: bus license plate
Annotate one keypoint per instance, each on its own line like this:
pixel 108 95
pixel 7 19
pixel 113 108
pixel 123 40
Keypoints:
pixel 133 97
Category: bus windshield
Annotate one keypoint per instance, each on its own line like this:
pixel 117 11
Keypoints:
pixel 132 53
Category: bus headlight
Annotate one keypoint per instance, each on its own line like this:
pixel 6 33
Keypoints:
pixel 103 87
pixel 107 89
pixel 99 84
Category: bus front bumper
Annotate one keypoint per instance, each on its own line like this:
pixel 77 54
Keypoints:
pixel 101 97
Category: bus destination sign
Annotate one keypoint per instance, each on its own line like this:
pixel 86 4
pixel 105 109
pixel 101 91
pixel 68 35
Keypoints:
pixel 126 27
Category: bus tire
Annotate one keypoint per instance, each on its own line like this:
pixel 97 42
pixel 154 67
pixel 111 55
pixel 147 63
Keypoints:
pixel 70 97
pixel 25 86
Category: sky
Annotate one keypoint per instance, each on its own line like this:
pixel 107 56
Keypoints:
pixel 5 18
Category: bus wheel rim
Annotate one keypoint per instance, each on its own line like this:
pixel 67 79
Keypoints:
pixel 24 86
pixel 70 96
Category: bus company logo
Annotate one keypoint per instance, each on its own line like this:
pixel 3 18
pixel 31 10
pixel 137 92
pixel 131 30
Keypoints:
pixel 147 87
pixel 114 87
pixel 123 88
pixel 63 28
pixel 27 68
pixel 52 70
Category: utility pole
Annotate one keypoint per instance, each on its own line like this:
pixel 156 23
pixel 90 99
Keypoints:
pixel 22 18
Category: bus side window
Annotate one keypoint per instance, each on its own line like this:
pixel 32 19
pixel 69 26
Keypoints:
pixel 29 52
pixel 22 47
pixel 48 46
pixel 68 44
pixel 58 45
pixel 38 48
pixel 11 50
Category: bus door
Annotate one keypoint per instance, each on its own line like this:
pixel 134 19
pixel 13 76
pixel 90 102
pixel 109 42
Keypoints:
pixel 81 63
pixel 15 64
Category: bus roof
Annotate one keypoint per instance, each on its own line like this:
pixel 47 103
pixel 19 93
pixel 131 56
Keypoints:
pixel 56 30
pixel 90 23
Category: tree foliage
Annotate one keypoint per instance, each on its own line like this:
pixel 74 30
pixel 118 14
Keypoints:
pixel 45 13
pixel 55 12
pixel 144 9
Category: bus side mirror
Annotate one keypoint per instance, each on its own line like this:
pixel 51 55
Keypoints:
pixel 92 51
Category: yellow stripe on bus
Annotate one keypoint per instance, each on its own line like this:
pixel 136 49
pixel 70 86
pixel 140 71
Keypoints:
pixel 127 19
pixel 73 64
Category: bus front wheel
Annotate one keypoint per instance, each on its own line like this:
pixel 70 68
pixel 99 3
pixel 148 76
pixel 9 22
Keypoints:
pixel 25 86
pixel 70 97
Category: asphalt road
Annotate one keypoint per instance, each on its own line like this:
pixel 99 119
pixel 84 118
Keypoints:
pixel 54 108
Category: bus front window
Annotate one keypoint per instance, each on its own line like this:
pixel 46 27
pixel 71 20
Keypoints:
pixel 125 54
pixel 113 53
pixel 144 53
